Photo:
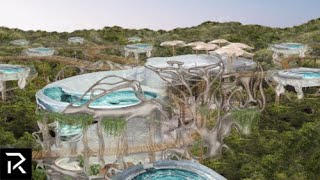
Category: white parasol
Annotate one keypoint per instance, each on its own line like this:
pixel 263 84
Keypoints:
pixel 219 41
pixel 232 52
pixel 205 47
pixel 174 44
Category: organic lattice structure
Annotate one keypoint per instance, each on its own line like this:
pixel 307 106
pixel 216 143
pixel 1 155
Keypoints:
pixel 173 126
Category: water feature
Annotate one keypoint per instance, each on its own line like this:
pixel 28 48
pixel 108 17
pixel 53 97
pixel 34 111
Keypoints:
pixel 169 170
pixel 289 46
pixel 168 174
pixel 138 46
pixel 297 78
pixel 115 99
pixel 300 73
pixel 41 51
pixel 11 70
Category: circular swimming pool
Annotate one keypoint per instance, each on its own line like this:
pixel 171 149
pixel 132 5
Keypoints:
pixel 168 174
pixel 169 170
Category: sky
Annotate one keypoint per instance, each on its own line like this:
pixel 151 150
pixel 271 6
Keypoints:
pixel 70 15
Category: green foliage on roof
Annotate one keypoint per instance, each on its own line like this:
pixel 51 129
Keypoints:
pixel 81 120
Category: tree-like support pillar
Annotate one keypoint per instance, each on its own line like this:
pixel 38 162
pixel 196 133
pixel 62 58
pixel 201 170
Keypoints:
pixel 122 149
pixel 86 150
pixel 46 135
pixel 101 143
pixel 73 147
pixel 245 80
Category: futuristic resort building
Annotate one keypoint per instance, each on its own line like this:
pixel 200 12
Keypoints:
pixel 143 121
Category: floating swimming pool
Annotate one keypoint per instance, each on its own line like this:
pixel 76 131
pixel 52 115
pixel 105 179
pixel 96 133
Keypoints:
pixel 288 49
pixel 308 75
pixel 137 49
pixel 58 95
pixel 41 51
pixel 289 46
pixel 169 170
pixel 300 73
pixel 11 70
pixel 297 78
pixel 139 46
pixel 116 99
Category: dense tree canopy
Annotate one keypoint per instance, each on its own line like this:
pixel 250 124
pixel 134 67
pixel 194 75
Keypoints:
pixel 285 144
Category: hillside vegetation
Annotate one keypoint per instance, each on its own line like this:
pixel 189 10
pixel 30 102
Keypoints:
pixel 285 144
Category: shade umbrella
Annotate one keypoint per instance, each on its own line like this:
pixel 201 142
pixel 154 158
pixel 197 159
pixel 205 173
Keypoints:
pixel 194 44
pixel 174 44
pixel 205 47
pixel 240 45
pixel 232 52
pixel 219 41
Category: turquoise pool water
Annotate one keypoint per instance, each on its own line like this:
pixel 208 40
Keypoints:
pixel 43 49
pixel 139 46
pixel 309 75
pixel 294 46
pixel 114 99
pixel 169 174
pixel 68 130
pixel 10 70
pixel 289 46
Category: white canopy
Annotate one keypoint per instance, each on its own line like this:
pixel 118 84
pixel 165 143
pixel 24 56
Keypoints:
pixel 205 47
pixel 233 51
pixel 174 44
